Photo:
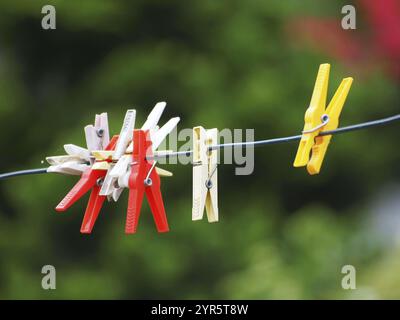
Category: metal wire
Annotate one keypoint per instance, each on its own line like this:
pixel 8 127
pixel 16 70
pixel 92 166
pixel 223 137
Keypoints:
pixel 22 173
pixel 361 126
pixel 355 127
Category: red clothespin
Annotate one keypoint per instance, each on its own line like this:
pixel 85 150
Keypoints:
pixel 144 179
pixel 90 179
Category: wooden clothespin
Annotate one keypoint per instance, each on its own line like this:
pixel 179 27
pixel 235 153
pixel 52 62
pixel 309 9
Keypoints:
pixel 317 118
pixel 205 181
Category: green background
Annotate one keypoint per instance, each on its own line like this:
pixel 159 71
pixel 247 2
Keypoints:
pixel 228 64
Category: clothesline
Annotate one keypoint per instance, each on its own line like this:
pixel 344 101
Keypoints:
pixel 355 127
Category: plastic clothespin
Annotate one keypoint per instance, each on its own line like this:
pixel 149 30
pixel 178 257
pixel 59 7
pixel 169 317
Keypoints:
pixel 78 159
pixel 317 118
pixel 71 168
pixel 205 181
pixel 71 165
pixel 77 151
pixel 144 179
pixel 157 135
pixel 108 188
pixel 90 179
pixel 97 136
pixel 74 163
pixel 121 171
pixel 151 121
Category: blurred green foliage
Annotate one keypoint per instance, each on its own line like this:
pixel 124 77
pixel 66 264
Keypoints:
pixel 225 64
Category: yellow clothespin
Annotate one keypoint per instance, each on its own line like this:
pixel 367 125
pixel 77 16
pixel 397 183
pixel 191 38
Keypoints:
pixel 317 118
pixel 205 187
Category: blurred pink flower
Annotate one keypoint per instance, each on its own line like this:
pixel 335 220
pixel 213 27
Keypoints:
pixel 374 44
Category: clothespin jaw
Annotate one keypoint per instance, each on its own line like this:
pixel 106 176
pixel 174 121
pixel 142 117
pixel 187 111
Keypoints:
pixel 88 179
pixel 96 200
pixel 312 147
pixel 205 181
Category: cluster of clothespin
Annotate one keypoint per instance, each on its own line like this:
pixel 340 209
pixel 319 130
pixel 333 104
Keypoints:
pixel 108 166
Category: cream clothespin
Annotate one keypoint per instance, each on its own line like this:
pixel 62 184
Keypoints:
pixel 317 118
pixel 205 181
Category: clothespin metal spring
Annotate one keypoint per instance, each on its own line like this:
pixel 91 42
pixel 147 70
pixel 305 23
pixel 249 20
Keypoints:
pixel 147 180
pixel 100 133
pixel 209 184
pixel 100 181
pixel 325 120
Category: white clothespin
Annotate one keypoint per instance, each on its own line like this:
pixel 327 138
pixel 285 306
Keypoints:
pixel 151 122
pixel 71 165
pixel 158 136
pixel 77 159
pixel 121 171
pixel 71 168
pixel 97 136
pixel 205 182
pixel 74 163
pixel 74 150
pixel 125 137
pixel 154 116
pixel 55 160
pixel 116 178
pixel 126 134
